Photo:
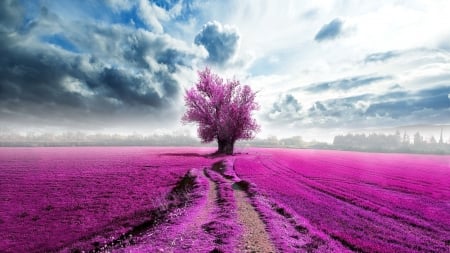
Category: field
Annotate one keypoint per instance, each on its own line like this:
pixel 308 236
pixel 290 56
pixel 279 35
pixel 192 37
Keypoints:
pixel 53 197
pixel 368 202
pixel 140 199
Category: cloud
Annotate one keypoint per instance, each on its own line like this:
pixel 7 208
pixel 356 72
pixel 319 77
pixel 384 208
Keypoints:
pixel 11 15
pixel 156 13
pixel 427 106
pixel 120 5
pixel 411 55
pixel 391 108
pixel 310 14
pixel 122 74
pixel 330 31
pixel 285 109
pixel 60 41
pixel 335 110
pixel 317 107
pixel 433 100
pixel 220 41
pixel 345 84
pixel 152 14
pixel 381 57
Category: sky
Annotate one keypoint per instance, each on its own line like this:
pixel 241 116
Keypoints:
pixel 320 68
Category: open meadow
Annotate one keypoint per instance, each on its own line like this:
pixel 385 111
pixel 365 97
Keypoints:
pixel 148 199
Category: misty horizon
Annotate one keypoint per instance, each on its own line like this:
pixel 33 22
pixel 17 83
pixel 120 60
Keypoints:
pixel 411 140
pixel 427 131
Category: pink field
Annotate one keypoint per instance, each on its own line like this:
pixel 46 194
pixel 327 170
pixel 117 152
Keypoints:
pixel 369 202
pixel 51 198
pixel 60 199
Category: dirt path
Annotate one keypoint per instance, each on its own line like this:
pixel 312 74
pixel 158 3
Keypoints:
pixel 183 230
pixel 210 204
pixel 255 237
pixel 189 234
pixel 205 211
pixel 213 224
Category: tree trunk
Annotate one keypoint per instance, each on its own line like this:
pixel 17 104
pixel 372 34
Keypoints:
pixel 225 147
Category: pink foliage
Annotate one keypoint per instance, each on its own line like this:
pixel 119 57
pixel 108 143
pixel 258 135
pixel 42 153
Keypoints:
pixel 223 110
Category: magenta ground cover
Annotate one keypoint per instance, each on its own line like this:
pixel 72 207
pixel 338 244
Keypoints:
pixel 53 197
pixel 60 199
pixel 368 202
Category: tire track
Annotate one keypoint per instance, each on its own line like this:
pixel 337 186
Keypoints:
pixel 255 237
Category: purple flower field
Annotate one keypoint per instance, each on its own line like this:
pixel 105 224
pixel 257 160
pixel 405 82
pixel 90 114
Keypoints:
pixel 141 199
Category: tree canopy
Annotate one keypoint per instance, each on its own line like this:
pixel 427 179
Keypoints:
pixel 222 110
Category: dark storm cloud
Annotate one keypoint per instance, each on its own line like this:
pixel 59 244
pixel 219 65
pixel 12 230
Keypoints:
pixel 45 80
pixel 221 42
pixel 116 72
pixel 118 84
pixel 345 84
pixel 330 31
pixel 11 15
pixel 32 76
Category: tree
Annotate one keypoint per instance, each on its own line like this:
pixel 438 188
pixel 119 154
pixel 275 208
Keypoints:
pixel 433 140
pixel 223 110
pixel 418 139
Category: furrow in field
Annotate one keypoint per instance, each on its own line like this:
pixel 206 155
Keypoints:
pixel 183 229
pixel 349 198
pixel 352 198
pixel 272 226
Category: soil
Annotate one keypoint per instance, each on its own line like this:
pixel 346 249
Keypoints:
pixel 255 237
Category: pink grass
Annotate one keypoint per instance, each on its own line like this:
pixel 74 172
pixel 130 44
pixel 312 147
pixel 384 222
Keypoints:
pixel 367 202
pixel 55 199
pixel 51 198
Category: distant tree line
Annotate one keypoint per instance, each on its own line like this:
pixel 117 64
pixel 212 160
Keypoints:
pixel 392 143
pixel 287 142
pixel 397 142
pixel 98 139
pixel 9 138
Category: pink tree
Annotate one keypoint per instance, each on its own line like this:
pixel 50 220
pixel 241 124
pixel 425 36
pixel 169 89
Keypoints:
pixel 223 110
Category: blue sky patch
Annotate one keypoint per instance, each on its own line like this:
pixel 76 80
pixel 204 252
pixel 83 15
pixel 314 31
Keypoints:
pixel 61 41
